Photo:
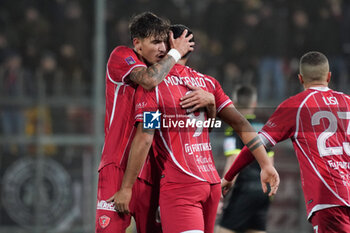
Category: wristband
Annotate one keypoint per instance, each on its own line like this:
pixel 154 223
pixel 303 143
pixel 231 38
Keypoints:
pixel 175 54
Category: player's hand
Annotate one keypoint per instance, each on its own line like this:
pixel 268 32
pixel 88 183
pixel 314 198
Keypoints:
pixel 182 43
pixel 225 186
pixel 121 200
pixel 269 176
pixel 197 98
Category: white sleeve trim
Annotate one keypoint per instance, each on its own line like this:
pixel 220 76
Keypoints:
pixel 139 116
pixel 320 207
pixel 223 105
pixel 266 139
pixel 115 102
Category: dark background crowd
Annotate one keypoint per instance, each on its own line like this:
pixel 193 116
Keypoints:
pixel 46 50
pixel 46 56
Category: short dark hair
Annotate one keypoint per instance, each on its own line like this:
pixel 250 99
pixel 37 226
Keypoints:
pixel 313 58
pixel 178 29
pixel 148 24
pixel 244 96
pixel 314 66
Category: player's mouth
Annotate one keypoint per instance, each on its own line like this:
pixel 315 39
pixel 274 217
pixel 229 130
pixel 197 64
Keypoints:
pixel 160 56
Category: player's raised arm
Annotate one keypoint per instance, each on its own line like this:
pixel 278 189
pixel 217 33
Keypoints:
pixel 160 62
pixel 250 138
pixel 138 153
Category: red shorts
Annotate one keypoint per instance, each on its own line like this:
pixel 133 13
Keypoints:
pixel 143 205
pixel 189 207
pixel 332 220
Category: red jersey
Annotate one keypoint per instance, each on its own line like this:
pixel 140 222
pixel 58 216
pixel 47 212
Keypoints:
pixel 318 123
pixel 119 123
pixel 183 147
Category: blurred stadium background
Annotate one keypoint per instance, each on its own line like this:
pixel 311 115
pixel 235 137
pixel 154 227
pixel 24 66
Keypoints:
pixel 52 69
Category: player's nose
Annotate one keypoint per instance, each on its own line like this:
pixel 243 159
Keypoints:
pixel 162 47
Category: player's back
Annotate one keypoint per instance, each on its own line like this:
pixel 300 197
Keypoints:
pixel 321 141
pixel 188 145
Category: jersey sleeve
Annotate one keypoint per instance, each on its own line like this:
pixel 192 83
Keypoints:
pixel 280 126
pixel 221 99
pixel 120 63
pixel 145 101
pixel 243 159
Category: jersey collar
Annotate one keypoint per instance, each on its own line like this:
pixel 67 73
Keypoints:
pixel 320 88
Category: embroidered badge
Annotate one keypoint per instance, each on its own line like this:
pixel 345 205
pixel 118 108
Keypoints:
pixel 130 60
pixel 104 221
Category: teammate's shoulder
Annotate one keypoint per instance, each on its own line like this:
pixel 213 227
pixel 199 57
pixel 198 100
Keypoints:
pixel 209 79
pixel 341 93
pixel 122 48
pixel 295 99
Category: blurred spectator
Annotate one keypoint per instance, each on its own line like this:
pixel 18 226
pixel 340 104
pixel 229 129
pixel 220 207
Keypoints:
pixel 16 85
pixel 231 75
pixel 34 31
pixel 327 27
pixel 272 31
pixel 73 70
pixel 79 120
pixel 300 34
pixel 39 122
pixel 50 77
pixel 75 31
pixel 118 33
pixel 3 47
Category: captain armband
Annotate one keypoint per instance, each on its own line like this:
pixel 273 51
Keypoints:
pixel 254 143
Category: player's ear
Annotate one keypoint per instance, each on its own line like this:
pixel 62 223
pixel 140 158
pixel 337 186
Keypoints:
pixel 300 78
pixel 137 44
pixel 329 77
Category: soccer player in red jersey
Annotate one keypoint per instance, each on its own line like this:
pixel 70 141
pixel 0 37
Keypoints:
pixel 146 65
pixel 190 185
pixel 317 121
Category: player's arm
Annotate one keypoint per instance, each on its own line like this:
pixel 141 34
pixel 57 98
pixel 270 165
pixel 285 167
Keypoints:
pixel 138 152
pixel 151 76
pixel 253 144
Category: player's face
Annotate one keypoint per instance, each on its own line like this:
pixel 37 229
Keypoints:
pixel 152 49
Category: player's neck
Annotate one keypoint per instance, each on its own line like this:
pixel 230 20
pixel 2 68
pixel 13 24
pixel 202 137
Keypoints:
pixel 310 85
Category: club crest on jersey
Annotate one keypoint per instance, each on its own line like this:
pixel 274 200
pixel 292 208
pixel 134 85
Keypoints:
pixel 104 221
pixel 130 60
pixel 151 120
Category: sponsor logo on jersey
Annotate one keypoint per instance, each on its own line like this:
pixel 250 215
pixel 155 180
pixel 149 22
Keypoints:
pixel 151 120
pixel 199 147
pixel 141 105
pixel 104 221
pixel 270 124
pixel 130 60
pixel 103 205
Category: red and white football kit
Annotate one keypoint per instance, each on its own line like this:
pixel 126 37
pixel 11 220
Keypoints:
pixel 190 185
pixel 317 121
pixel 119 132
